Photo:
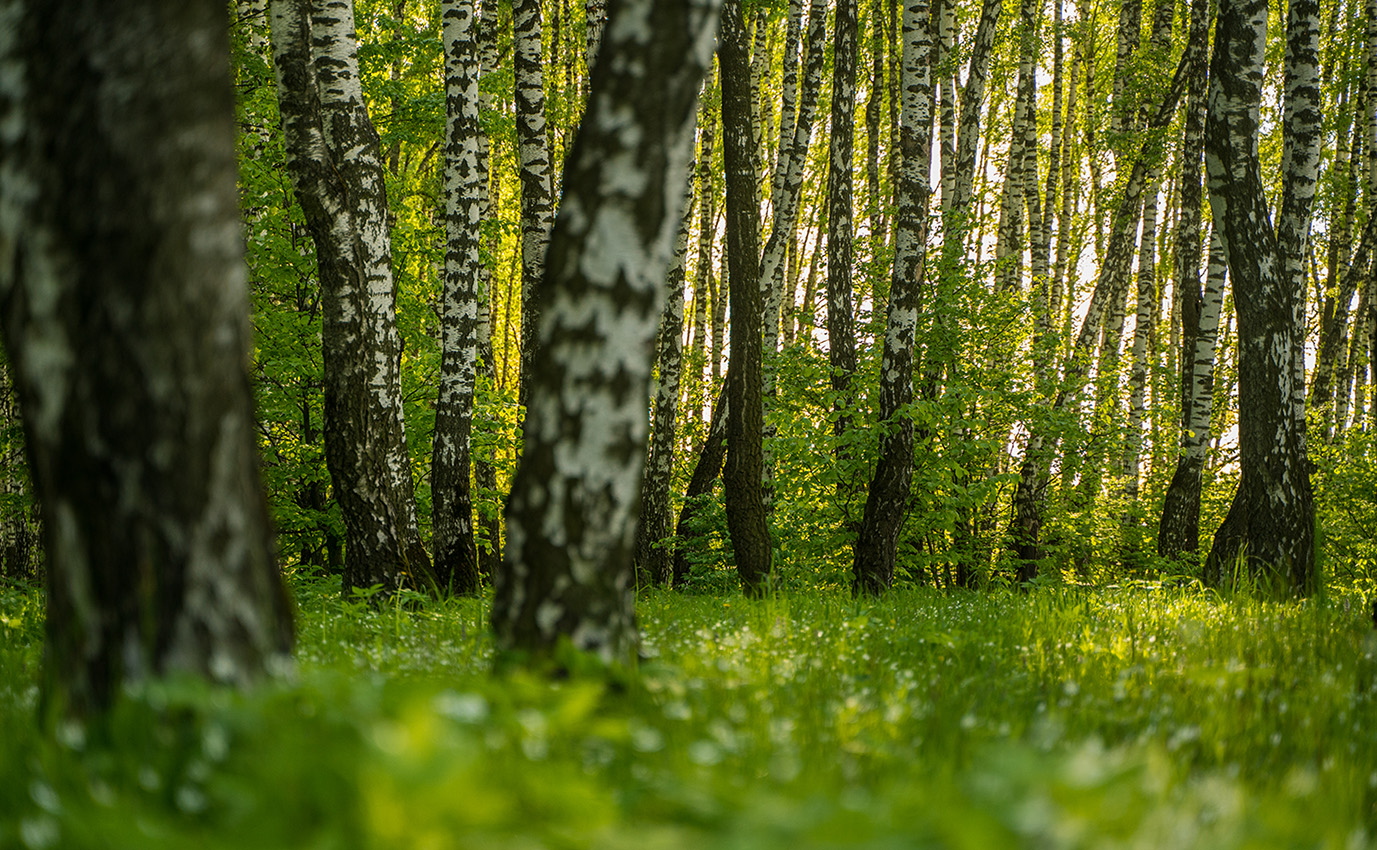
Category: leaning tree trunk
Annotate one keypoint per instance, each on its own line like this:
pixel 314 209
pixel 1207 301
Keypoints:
pixel 1179 529
pixel 122 292
pixel 567 571
pixel 537 196
pixel 841 328
pixel 1111 286
pixel 334 159
pixel 1269 530
pixel 968 132
pixel 705 471
pixel 796 131
pixel 745 490
pixel 456 557
pixel 887 500
pixel 653 561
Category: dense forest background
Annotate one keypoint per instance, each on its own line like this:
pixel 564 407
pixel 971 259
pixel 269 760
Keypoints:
pixel 1009 423
pixel 1070 98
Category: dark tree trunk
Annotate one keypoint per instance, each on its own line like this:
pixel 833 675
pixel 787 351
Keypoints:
pixel 705 472
pixel 122 292
pixel 567 572
pixel 745 491
pixel 1269 530
pixel 887 500
pixel 334 158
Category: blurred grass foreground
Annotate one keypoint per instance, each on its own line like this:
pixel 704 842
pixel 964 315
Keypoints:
pixel 1064 718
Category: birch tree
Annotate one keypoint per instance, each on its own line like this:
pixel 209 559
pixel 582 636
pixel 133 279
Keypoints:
pixel 567 569
pixel 334 160
pixel 534 171
pixel 653 561
pixel 841 330
pixel 456 557
pixel 122 292
pixel 1179 529
pixel 887 499
pixel 742 475
pixel 1269 529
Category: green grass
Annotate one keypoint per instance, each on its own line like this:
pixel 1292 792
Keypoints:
pixel 1135 717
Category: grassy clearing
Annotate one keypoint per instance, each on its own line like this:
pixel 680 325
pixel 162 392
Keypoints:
pixel 1141 717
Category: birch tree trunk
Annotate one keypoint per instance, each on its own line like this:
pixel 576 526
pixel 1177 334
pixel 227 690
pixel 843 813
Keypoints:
pixel 334 158
pixel 1179 529
pixel 887 500
pixel 788 183
pixel 484 469
pixel 702 278
pixel 567 571
pixel 456 557
pixel 742 481
pixel 972 95
pixel 652 560
pixel 122 292
pixel 535 172
pixel 1144 329
pixel 841 329
pixel 1269 530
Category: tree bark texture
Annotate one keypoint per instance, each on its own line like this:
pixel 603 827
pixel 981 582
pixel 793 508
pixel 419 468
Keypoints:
pixel 886 502
pixel 1179 529
pixel 456 557
pixel 1268 533
pixel 742 481
pixel 123 297
pixel 334 158
pixel 841 323
pixel 653 561
pixel 571 518
pixel 535 172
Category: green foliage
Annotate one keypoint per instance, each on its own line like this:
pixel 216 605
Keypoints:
pixel 1057 719
pixel 1346 510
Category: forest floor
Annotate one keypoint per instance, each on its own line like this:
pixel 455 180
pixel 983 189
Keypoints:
pixel 1123 717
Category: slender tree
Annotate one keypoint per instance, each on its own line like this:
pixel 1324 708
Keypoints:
pixel 742 481
pixel 122 292
pixel 456 557
pixel 653 561
pixel 841 330
pixel 334 158
pixel 1179 530
pixel 535 170
pixel 567 570
pixel 887 499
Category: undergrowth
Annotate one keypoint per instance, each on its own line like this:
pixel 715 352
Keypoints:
pixel 1132 717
